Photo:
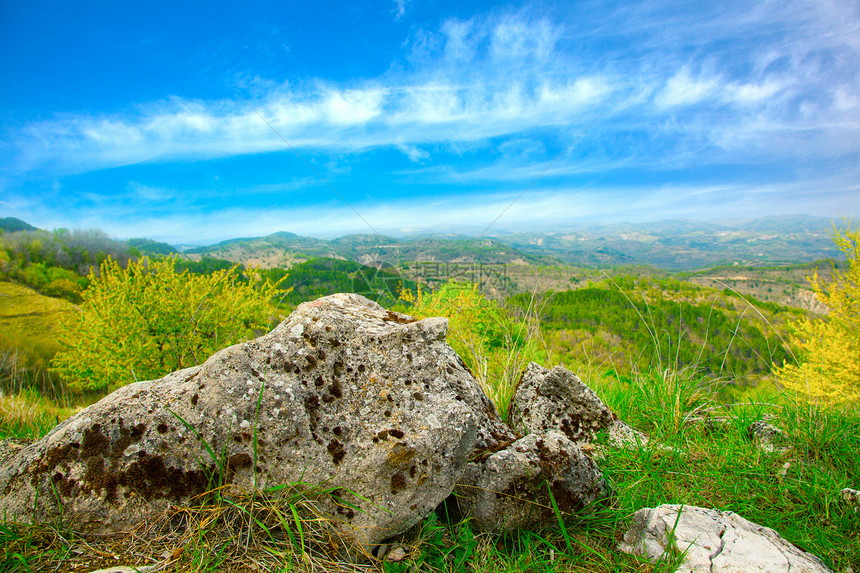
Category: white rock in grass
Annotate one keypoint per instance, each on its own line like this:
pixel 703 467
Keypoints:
pixel 768 437
pixel 714 542
pixel 851 498
pixel 621 435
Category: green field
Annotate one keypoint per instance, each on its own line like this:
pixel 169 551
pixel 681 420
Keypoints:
pixel 663 353
pixel 28 322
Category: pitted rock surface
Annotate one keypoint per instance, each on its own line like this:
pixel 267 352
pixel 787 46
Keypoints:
pixel 508 489
pixel 557 399
pixel 343 393
pixel 715 542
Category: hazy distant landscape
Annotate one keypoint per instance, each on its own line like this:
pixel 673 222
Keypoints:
pixel 768 258
pixel 671 245
pixel 696 281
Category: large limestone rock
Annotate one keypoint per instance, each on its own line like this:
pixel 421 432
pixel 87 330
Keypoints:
pixel 715 542
pixel 507 489
pixel 557 399
pixel 343 393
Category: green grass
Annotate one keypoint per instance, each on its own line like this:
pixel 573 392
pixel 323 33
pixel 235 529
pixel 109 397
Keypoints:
pixel 28 321
pixel 32 400
pixel 713 465
pixel 710 465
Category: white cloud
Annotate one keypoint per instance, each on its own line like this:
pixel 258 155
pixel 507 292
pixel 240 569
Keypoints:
pixel 512 73
pixel 142 192
pixel 682 89
pixel 339 120
pixel 748 94
pixel 399 8
pixel 516 37
pixel 108 133
pixel 353 107
pixel 415 154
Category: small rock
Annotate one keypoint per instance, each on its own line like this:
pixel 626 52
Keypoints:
pixel 557 399
pixel 714 542
pixel 768 437
pixel 851 498
pixel 623 436
pixel 397 553
pixel 710 423
pixel 507 490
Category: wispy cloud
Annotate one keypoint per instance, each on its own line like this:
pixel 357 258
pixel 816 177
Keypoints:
pixel 681 89
pixel 399 8
pixel 673 87
pixel 497 76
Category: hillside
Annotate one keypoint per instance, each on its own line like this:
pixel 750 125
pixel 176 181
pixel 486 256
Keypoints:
pixel 285 249
pixel 785 285
pixel 687 245
pixel 11 225
pixel 700 455
pixel 675 245
pixel 628 322
pixel 671 245
pixel 28 321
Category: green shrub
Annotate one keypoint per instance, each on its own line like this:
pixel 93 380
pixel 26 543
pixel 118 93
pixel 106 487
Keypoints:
pixel 146 320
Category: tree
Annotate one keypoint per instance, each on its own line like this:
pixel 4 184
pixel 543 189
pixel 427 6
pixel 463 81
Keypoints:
pixel 146 320
pixel 828 354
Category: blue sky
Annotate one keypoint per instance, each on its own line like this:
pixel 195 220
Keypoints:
pixel 150 119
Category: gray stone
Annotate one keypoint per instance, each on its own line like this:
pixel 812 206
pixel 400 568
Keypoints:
pixel 851 498
pixel 508 488
pixel 557 399
pixel 768 437
pixel 715 542
pixel 344 394
pixel 9 447
pixel 622 435
pixel 709 422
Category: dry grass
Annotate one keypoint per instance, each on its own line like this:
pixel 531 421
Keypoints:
pixel 226 529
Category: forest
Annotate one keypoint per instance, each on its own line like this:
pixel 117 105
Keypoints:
pixel 642 323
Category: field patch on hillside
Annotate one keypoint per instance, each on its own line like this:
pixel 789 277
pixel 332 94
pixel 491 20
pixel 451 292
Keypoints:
pixel 28 322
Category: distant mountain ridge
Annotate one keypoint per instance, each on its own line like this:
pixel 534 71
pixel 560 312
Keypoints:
pixel 279 249
pixel 11 224
pixel 670 244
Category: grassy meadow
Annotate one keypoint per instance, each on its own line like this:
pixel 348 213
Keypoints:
pixel 701 414
pixel 32 401
pixel 28 321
